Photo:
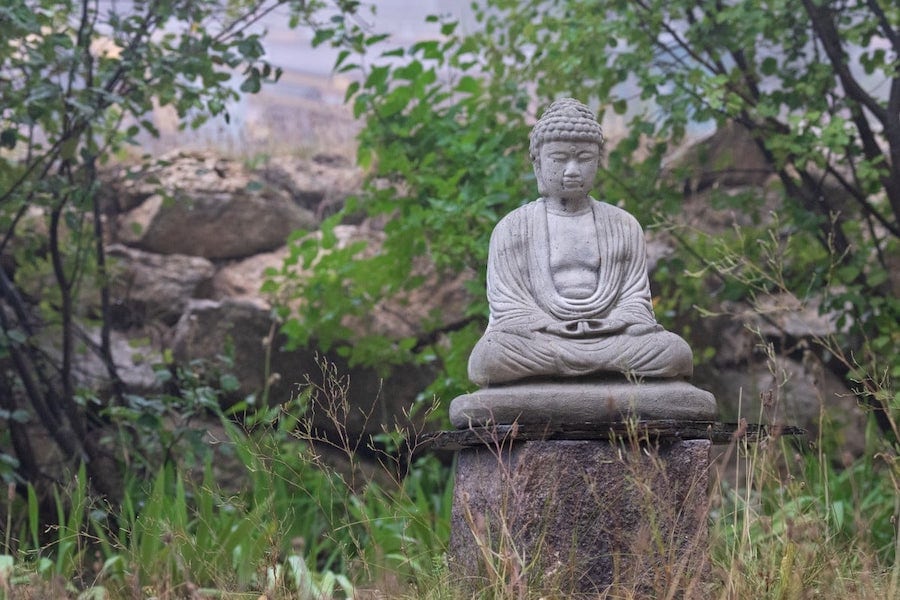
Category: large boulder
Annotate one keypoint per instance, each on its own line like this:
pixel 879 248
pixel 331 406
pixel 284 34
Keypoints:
pixel 320 184
pixel 214 224
pixel 128 186
pixel 201 206
pixel 364 400
pixel 785 391
pixel 766 368
pixel 154 287
pixel 439 301
pixel 134 356
pixel 208 327
pixel 242 279
pixel 727 158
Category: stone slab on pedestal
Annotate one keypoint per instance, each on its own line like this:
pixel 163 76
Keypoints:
pixel 582 401
pixel 581 517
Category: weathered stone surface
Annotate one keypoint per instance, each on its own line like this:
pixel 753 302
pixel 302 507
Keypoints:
pixel 439 302
pixel 579 518
pixel 242 280
pixel 580 401
pixel 784 390
pixel 214 224
pixel 727 158
pixel 784 316
pixel 155 287
pixel 134 362
pixel 127 187
pixel 368 400
pixel 208 327
pixel 320 184
pixel 198 204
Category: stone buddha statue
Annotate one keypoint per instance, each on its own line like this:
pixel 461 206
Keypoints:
pixel 570 305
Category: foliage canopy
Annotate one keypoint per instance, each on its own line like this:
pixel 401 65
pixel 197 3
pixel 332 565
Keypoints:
pixel 816 90
pixel 78 80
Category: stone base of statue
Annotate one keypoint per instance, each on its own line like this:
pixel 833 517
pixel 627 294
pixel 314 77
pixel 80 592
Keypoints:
pixel 580 518
pixel 582 401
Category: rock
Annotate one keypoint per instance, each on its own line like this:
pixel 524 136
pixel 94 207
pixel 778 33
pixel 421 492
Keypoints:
pixel 147 287
pixel 134 358
pixel 363 401
pixel 785 391
pixel 659 247
pixel 199 205
pixel 208 328
pixel 734 344
pixel 242 280
pixel 439 302
pixel 320 185
pixel 727 158
pixel 783 315
pixel 127 187
pixel 214 224
pixel 581 519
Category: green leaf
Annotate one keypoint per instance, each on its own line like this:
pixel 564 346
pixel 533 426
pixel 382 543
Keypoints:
pixel 229 383
pixel 252 84
pixel 251 48
pixel 449 28
pixel 8 138
pixel 17 336
pixel 321 36
pixel 352 89
pixel 395 102
pixel 469 85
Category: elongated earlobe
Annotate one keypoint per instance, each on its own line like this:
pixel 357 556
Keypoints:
pixel 542 191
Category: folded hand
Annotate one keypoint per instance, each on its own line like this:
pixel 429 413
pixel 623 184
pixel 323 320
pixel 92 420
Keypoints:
pixel 586 328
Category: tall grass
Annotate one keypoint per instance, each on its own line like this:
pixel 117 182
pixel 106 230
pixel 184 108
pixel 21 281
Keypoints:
pixel 305 520
pixel 792 524
pixel 786 521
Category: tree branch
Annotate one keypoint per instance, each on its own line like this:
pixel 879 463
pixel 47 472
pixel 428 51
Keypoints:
pixel 828 35
pixel 892 35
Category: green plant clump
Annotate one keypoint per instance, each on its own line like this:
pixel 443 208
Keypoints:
pixel 292 525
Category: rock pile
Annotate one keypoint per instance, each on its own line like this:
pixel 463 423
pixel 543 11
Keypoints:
pixel 189 241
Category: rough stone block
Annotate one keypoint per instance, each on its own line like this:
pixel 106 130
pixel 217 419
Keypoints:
pixel 582 517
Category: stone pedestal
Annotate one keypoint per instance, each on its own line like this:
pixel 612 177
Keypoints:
pixel 585 400
pixel 580 517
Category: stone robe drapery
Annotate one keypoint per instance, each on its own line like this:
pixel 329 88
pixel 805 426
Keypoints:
pixel 524 302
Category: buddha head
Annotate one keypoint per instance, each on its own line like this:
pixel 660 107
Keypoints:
pixel 565 149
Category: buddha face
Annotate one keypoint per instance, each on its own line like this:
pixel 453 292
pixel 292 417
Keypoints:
pixel 566 170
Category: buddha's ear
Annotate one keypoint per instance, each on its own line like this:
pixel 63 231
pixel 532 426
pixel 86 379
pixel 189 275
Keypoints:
pixel 536 163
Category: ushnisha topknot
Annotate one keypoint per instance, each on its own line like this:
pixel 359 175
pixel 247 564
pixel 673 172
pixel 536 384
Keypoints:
pixel 566 119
